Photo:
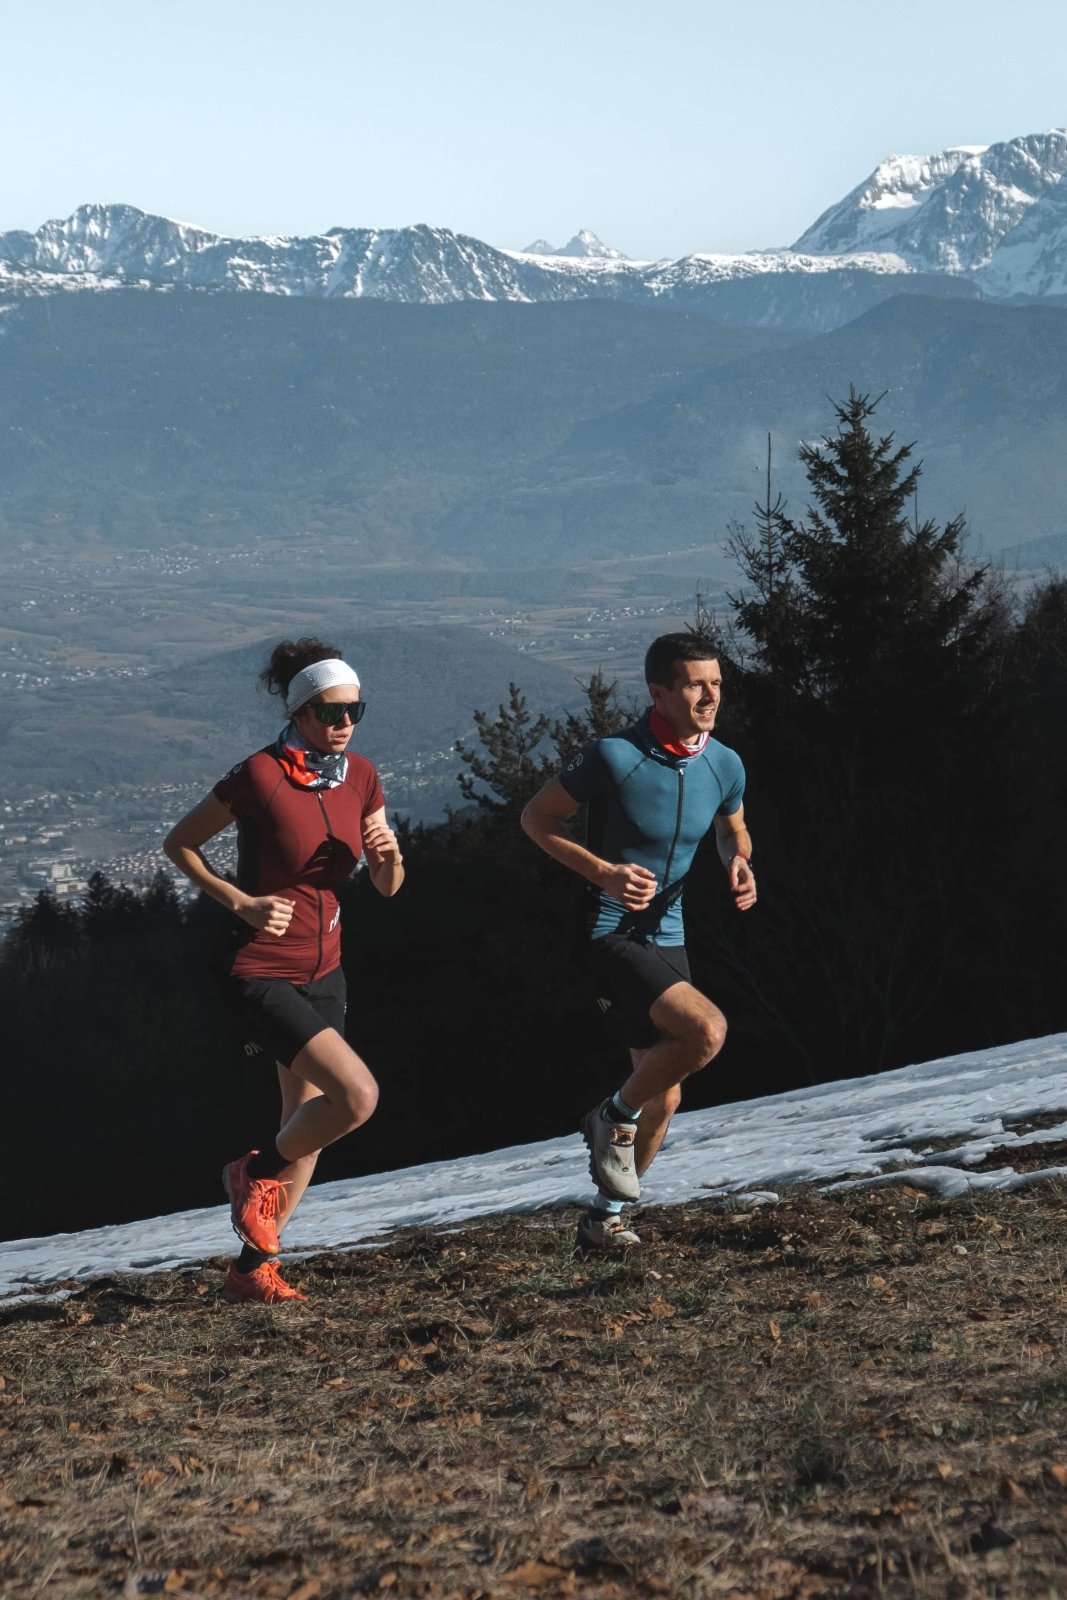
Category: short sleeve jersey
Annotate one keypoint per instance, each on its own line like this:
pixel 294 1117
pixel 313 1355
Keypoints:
pixel 652 808
pixel 301 844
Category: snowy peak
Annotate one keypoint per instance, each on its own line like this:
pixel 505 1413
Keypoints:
pixel 104 238
pixel 1032 259
pixel 585 246
pixel 971 219
pixel 948 212
pixel 121 243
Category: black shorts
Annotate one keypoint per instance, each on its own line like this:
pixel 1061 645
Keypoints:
pixel 281 1016
pixel 628 977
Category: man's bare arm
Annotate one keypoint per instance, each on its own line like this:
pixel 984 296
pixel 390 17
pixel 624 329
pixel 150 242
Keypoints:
pixel 543 820
pixel 734 845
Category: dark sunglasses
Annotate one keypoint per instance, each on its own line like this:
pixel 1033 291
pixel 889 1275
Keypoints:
pixel 334 712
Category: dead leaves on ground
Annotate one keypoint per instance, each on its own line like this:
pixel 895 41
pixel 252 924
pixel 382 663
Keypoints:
pixel 834 1375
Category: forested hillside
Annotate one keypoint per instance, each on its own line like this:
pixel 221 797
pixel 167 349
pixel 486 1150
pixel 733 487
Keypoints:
pixel 900 717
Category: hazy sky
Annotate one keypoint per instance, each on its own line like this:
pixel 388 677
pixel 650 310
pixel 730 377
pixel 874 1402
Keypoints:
pixel 669 127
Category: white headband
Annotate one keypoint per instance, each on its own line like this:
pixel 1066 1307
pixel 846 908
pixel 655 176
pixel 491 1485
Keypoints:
pixel 320 675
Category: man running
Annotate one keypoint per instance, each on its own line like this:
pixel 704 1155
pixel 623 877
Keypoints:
pixel 653 790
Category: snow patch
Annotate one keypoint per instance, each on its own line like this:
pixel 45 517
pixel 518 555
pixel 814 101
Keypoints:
pixel 844 1134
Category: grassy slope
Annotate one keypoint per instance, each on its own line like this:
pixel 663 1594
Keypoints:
pixel 858 1395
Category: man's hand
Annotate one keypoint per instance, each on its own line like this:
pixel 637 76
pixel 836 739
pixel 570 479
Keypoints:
pixel 380 843
pixel 269 913
pixel 742 883
pixel 631 885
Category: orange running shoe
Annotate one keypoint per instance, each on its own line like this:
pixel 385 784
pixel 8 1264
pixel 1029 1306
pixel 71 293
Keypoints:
pixel 264 1285
pixel 255 1205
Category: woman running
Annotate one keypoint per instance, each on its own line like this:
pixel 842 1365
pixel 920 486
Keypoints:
pixel 304 811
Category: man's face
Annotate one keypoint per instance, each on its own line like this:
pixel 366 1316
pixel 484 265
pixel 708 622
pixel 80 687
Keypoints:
pixel 691 703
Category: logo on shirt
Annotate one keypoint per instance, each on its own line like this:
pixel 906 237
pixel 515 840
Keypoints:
pixel 576 763
pixel 235 770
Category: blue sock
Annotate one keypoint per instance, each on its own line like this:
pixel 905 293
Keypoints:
pixel 605 1202
pixel 619 1111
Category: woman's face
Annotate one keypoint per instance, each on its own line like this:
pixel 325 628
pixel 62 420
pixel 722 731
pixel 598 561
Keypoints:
pixel 320 735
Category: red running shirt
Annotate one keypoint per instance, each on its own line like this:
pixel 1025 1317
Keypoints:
pixel 302 844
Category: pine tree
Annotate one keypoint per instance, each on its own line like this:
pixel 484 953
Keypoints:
pixel 604 714
pixel 863 606
pixel 510 766
pixel 514 762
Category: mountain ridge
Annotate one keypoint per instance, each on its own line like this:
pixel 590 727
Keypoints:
pixel 979 219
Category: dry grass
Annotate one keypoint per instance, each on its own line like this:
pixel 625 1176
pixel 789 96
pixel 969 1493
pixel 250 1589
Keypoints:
pixel 860 1395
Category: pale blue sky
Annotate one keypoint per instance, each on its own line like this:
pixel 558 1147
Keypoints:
pixel 666 127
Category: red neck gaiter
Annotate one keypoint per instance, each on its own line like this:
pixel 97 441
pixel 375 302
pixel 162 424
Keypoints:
pixel 668 740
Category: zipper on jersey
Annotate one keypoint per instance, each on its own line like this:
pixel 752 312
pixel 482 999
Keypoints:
pixel 325 813
pixel 677 828
pixel 318 892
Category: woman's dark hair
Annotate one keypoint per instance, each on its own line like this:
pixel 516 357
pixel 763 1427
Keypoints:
pixel 670 648
pixel 291 657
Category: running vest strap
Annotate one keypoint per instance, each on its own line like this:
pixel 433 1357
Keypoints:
pixel 299 843
pixel 651 807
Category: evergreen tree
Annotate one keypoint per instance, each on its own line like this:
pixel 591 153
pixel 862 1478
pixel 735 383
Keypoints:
pixel 514 761
pixel 604 714
pixel 864 702
pixel 863 607
pixel 509 763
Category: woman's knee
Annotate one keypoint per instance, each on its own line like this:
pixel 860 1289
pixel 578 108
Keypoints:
pixel 357 1099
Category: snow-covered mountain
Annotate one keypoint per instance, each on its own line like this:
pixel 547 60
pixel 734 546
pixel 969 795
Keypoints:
pixel 1032 259
pixel 990 219
pixel 950 212
pixel 411 264
pixel 584 245
pixel 108 246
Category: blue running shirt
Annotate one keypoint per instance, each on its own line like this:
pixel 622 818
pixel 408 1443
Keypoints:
pixel 652 808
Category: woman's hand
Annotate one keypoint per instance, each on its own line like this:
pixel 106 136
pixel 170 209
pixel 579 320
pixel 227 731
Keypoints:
pixel 382 848
pixel 270 913
pixel 380 843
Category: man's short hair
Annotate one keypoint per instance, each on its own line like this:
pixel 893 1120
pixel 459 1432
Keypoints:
pixel 663 652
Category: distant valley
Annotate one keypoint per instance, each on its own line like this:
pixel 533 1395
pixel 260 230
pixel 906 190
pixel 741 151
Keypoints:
pixel 469 466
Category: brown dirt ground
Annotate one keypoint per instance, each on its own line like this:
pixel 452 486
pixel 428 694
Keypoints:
pixel 853 1395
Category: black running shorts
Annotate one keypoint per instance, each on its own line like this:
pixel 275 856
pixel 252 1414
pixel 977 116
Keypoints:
pixel 628 977
pixel 281 1016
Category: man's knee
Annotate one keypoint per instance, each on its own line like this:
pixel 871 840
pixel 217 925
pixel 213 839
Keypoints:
pixel 705 1036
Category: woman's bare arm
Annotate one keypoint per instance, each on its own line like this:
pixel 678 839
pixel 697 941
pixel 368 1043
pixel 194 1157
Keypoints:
pixel 183 845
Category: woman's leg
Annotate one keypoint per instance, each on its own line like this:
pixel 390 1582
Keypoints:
pixel 246 1285
pixel 338 1095
pixel 347 1096
pixel 296 1177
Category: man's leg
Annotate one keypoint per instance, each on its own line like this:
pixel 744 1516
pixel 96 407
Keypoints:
pixel 653 1122
pixel 694 1031
pixel 602 1227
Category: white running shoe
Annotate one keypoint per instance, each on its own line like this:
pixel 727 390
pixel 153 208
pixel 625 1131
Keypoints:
pixel 604 1231
pixel 611 1154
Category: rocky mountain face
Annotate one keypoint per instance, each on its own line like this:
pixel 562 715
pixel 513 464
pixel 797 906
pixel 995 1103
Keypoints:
pixel 954 211
pixel 583 245
pixel 969 220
